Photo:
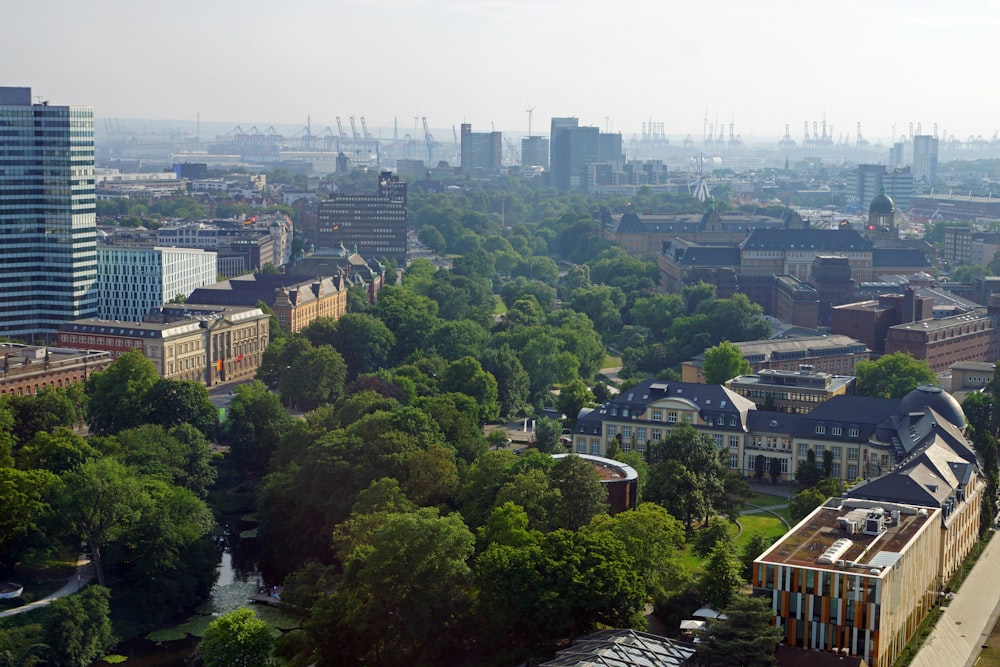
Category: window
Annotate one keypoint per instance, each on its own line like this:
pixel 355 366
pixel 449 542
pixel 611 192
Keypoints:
pixel 853 431
pixel 657 435
pixel 836 452
pixel 784 466
pixel 732 420
pixel 852 473
pixel 626 431
pixel 581 446
pixel 614 410
pixel 835 430
pixel 595 446
pixel 819 453
pixel 672 417
pixel 721 421
pixel 640 432
pixel 658 415
pixel 820 429
pixel 734 461
pixel 852 453
pixel 835 470
pixel 687 417
pixel 734 442
pixel 803 449
pixel 752 462
pixel 718 439
pixel 612 430
pixel 885 460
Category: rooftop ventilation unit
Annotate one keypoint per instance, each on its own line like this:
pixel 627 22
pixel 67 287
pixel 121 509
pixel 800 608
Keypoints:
pixel 875 522
pixel 836 550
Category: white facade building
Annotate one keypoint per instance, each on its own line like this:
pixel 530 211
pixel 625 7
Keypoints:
pixel 132 279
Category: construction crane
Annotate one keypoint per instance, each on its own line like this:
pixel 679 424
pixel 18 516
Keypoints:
pixel 341 134
pixel 354 131
pixel 368 138
pixel 429 140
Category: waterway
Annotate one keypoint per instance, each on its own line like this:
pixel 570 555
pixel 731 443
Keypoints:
pixel 238 577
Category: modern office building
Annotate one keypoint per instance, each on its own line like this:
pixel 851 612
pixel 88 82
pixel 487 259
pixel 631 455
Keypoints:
pixel 373 224
pixel 480 150
pixel 48 223
pixel 925 158
pixel 132 280
pixel 867 181
pixel 572 148
pixel 836 355
pixel 791 391
pixel 535 152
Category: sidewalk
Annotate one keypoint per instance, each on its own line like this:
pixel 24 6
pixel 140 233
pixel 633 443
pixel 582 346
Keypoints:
pixel 80 578
pixel 968 619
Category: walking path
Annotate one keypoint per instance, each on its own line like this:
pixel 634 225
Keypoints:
pixel 968 619
pixel 83 574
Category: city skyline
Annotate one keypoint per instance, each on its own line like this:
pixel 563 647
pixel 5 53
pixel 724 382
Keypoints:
pixel 759 67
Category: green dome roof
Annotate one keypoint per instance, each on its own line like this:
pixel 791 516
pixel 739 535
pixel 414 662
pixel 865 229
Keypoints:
pixel 882 204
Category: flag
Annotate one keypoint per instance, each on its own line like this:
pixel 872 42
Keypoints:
pixel 218 365
pixel 239 357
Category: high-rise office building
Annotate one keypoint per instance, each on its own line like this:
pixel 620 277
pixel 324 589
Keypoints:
pixel 48 220
pixel 374 225
pixel 535 152
pixel 925 158
pixel 480 150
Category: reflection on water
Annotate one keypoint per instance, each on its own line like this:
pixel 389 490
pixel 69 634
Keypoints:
pixel 238 577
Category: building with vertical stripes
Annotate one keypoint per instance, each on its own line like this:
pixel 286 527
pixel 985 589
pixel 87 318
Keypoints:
pixel 48 221
pixel 133 279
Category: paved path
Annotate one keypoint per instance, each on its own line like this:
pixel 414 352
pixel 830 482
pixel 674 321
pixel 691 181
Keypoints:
pixel 84 573
pixel 968 619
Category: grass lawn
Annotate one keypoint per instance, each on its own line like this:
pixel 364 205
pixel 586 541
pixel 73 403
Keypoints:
pixel 766 523
pixel 499 307
pixel 611 361
pixel 767 500
pixel 990 657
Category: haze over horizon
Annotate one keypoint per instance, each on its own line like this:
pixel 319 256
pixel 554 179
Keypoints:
pixel 759 66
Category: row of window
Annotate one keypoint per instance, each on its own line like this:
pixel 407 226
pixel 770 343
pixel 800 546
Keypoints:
pixel 837 429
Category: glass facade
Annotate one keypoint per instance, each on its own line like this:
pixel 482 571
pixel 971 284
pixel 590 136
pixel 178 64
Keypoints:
pixel 48 222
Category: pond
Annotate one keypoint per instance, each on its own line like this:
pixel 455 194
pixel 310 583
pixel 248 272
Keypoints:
pixel 238 577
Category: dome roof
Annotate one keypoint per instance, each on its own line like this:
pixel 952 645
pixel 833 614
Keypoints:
pixel 882 204
pixel 936 398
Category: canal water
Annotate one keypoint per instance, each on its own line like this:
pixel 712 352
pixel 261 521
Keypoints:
pixel 238 577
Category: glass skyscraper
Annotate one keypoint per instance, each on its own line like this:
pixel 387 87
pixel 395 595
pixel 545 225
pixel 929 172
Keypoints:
pixel 48 218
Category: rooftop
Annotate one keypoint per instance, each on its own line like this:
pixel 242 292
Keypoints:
pixel 857 536
pixel 624 648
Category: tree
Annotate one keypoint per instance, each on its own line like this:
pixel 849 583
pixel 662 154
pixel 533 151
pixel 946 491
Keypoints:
pixel 804 502
pixel 23 497
pixel 181 456
pixel 572 398
pixel 687 475
pixel 546 436
pixel 718 530
pixel 364 342
pixel 255 422
pixel 512 380
pixel 466 376
pixel 117 394
pixel 315 378
pixel 808 474
pixel 533 492
pixel 79 629
pixel 582 496
pixel 724 362
pixel 722 577
pixel 237 638
pixel 893 375
pixel 745 638
pixel 175 402
pixel 752 549
pixel 402 592
pixel 102 499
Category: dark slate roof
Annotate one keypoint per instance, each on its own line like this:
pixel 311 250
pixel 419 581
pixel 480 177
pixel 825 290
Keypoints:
pixel 772 422
pixel 908 257
pixel 937 398
pixel 844 240
pixel 624 648
pixel 713 400
pixel 868 414
pixel 710 256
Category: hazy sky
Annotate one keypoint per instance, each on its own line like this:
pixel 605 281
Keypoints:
pixel 760 64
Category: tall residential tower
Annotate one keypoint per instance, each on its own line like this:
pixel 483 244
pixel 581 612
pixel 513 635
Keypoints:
pixel 48 220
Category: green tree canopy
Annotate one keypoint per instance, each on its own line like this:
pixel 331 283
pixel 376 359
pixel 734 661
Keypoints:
pixel 724 362
pixel 237 639
pixel 893 375
pixel 745 638
pixel 78 628
pixel 117 394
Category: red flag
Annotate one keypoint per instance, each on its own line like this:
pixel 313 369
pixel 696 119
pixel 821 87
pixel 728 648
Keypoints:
pixel 239 357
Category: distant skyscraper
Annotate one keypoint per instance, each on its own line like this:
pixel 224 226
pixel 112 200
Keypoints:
pixel 480 150
pixel 925 157
pixel 48 221
pixel 535 152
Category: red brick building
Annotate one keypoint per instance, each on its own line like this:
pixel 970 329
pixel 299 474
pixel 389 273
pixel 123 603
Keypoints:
pixel 26 369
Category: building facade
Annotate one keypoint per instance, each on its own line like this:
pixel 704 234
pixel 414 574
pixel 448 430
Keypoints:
pixel 480 150
pixel 207 344
pixel 375 225
pixel 835 355
pixel 791 391
pixel 27 369
pixel 132 280
pixel 48 223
